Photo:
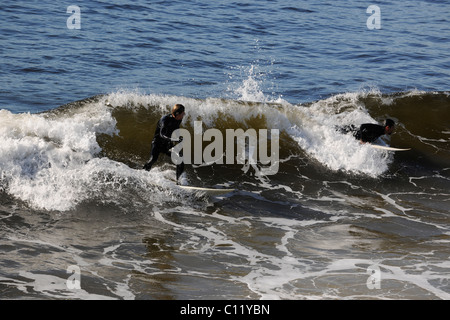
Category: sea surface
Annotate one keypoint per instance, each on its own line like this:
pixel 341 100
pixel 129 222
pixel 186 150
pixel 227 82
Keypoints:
pixel 81 91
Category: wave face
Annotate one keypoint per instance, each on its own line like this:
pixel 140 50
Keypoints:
pixel 57 159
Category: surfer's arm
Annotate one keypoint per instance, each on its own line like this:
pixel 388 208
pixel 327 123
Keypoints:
pixel 165 131
pixel 162 134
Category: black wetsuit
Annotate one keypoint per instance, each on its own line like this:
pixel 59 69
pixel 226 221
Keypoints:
pixel 367 132
pixel 162 141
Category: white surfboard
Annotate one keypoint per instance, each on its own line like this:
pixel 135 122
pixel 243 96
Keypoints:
pixel 208 191
pixel 377 146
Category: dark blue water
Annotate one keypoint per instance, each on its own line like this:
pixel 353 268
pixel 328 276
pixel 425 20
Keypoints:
pixel 339 220
pixel 303 51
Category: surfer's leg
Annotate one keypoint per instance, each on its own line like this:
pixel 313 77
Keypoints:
pixel 180 167
pixel 153 157
pixel 180 170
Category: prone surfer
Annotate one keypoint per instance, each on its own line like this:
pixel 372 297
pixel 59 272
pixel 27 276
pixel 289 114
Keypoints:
pixel 162 141
pixel 369 132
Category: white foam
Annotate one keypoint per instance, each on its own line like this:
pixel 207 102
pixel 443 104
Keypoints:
pixel 54 286
pixel 277 274
pixel 39 156
pixel 316 133
pixel 51 162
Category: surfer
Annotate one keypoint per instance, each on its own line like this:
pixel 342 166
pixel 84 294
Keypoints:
pixel 162 141
pixel 369 132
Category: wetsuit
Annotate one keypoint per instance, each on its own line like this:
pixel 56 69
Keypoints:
pixel 367 132
pixel 162 141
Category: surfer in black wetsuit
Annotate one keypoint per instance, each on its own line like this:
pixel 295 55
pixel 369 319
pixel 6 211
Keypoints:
pixel 162 141
pixel 369 132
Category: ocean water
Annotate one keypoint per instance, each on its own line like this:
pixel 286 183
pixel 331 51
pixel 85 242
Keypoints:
pixel 79 101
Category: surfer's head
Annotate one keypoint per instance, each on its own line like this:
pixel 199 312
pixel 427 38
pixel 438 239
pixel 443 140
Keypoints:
pixel 178 111
pixel 389 126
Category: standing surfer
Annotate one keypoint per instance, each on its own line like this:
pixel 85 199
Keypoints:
pixel 162 140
